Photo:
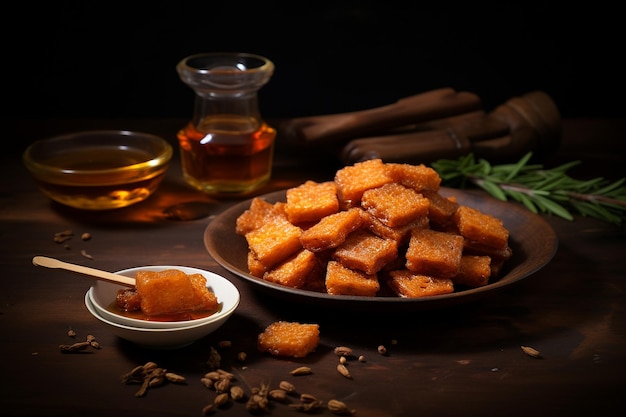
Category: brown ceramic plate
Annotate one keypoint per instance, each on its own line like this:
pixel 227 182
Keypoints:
pixel 532 240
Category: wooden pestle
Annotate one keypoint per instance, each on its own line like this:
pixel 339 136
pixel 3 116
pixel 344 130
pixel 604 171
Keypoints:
pixel 422 107
pixel 522 124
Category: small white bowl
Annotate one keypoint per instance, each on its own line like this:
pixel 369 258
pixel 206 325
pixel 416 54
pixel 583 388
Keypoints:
pixel 175 338
pixel 103 293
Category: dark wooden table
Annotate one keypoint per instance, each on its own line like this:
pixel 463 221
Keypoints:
pixel 461 361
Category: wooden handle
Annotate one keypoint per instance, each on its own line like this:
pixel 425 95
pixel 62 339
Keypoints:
pixel 444 102
pixel 96 273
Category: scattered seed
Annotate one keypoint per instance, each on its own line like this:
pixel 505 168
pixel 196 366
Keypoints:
pixel 287 386
pixel 85 254
pixel 339 408
pixel 85 236
pixel 71 333
pixel 303 370
pixel 308 398
pixel 382 350
pixel 207 382
pixel 241 356
pixel 361 358
pixel 208 409
pixel 278 394
pixel 177 379
pixel 221 399
pixel 222 385
pixel 343 351
pixel 236 392
pixel 343 370
pixel 225 344
pixel 342 360
pixel 534 353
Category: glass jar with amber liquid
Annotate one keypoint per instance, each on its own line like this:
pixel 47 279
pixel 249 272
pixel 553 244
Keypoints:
pixel 226 149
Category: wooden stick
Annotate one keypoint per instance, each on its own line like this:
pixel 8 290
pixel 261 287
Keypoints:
pixel 96 273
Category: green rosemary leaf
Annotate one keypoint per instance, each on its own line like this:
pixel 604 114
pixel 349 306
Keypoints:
pixel 550 191
pixel 492 189
pixel 517 167
pixel 550 206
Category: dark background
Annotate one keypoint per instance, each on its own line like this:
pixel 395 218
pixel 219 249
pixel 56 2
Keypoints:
pixel 70 59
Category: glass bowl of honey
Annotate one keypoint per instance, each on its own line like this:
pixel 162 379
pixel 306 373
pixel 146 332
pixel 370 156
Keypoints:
pixel 100 169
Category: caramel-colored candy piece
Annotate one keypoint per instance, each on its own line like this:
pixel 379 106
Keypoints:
pixel 294 271
pixel 434 253
pixel 405 283
pixel 341 280
pixel 366 252
pixel 352 181
pixel 255 216
pixel 474 271
pixel 481 227
pixel 311 201
pixel 290 339
pixel 441 209
pixel 418 177
pixel 395 205
pixel 172 291
pixel 274 241
pixel 332 230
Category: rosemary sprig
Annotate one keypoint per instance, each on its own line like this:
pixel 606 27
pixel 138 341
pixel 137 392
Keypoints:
pixel 550 191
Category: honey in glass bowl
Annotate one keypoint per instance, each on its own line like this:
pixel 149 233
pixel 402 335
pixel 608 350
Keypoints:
pixel 99 170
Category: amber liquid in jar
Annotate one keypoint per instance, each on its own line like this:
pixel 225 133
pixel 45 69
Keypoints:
pixel 227 155
pixel 116 186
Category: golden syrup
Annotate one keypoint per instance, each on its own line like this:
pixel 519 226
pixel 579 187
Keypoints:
pixel 235 158
pixel 101 177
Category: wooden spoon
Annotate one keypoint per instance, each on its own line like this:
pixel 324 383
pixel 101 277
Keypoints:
pixel 96 273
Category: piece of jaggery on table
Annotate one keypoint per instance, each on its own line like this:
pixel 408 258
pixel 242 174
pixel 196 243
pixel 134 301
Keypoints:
pixel 341 280
pixel 405 283
pixel 395 205
pixel 172 291
pixel 480 227
pixel 366 252
pixel 274 241
pixel 434 253
pixel 331 230
pixel 352 181
pixel 311 201
pixel 289 339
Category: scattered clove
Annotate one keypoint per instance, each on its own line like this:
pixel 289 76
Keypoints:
pixel 150 375
pixel 79 346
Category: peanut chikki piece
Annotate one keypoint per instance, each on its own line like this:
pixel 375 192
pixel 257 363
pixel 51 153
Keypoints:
pixel 332 230
pixel 294 271
pixel 395 205
pixel 290 339
pixel 352 181
pixel 311 201
pixel 405 283
pixel 366 252
pixel 434 253
pixel 481 227
pixel 341 280
pixel 474 271
pixel 274 241
pixel 418 177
